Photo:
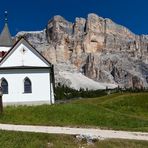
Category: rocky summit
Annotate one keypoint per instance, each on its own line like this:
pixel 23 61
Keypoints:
pixel 93 53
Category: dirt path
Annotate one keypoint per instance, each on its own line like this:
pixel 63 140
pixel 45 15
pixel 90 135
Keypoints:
pixel 98 133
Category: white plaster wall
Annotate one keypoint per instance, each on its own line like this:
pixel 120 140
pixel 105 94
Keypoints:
pixel 40 80
pixel 28 58
pixel 4 49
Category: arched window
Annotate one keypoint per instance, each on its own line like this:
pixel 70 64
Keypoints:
pixel 27 86
pixel 4 85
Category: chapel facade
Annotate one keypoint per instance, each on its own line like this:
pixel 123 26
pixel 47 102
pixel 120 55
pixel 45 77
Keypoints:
pixel 26 77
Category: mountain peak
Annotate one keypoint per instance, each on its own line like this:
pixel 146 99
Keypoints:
pixel 98 48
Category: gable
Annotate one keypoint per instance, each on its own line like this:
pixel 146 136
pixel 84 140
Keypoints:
pixel 23 54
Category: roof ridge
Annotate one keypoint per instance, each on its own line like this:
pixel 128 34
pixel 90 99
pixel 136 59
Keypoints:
pixel 20 40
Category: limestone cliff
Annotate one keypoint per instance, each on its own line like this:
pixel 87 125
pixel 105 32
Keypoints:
pixel 96 47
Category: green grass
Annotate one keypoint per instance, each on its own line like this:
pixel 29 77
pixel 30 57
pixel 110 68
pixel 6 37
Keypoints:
pixel 117 111
pixel 38 140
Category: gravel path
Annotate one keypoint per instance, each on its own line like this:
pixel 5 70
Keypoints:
pixel 98 133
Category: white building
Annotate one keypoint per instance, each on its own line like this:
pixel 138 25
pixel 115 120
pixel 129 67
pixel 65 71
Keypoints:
pixel 26 76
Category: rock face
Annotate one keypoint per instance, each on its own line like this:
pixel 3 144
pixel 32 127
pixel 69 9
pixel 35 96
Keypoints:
pixel 96 47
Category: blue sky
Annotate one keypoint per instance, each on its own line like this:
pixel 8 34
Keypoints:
pixel 29 15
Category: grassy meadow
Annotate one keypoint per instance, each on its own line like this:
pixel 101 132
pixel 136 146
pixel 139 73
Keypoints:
pixel 128 111
pixel 36 140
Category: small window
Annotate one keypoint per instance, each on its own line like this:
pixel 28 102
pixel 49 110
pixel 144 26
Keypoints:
pixel 27 86
pixel 4 85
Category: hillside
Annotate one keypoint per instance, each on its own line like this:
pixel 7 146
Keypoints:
pixel 96 47
pixel 117 111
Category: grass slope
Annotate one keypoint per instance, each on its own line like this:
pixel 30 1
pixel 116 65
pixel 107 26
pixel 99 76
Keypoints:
pixel 35 140
pixel 117 111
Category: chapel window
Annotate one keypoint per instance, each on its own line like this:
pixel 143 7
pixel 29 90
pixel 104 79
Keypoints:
pixel 4 85
pixel 27 86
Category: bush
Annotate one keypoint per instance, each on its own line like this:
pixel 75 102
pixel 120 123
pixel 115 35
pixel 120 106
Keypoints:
pixel 64 92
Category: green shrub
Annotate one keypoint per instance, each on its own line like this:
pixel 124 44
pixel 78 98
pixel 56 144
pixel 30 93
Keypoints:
pixel 64 92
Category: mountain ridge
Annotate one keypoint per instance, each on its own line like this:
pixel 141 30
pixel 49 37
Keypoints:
pixel 96 47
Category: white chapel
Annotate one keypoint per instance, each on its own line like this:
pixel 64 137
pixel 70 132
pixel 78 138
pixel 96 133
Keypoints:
pixel 26 77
